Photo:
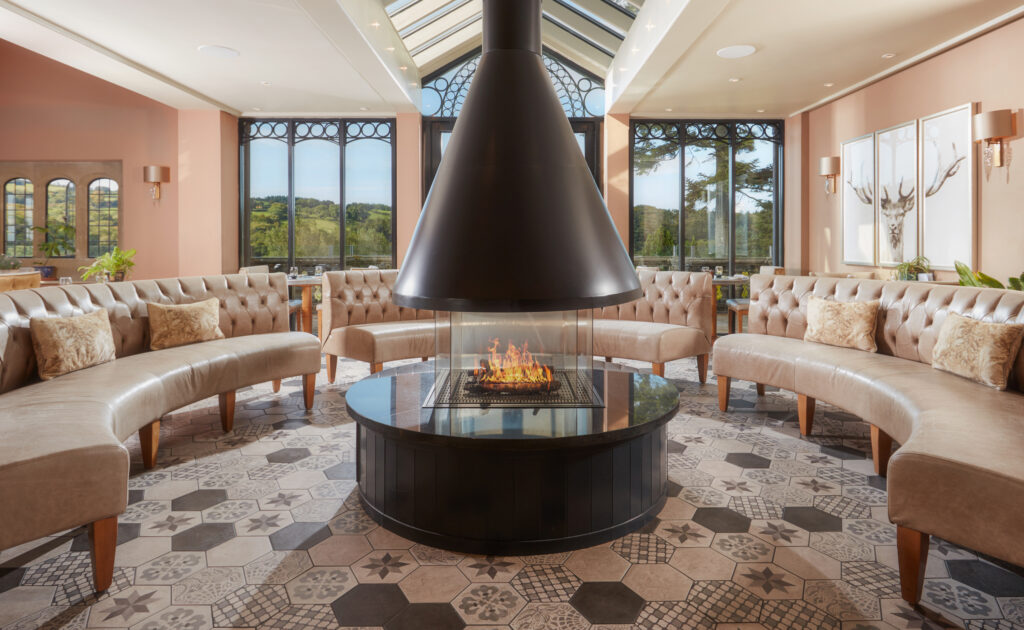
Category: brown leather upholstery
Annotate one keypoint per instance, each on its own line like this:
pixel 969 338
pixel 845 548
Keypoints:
pixel 62 463
pixel 958 473
pixel 14 280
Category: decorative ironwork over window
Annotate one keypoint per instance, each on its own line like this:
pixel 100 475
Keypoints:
pixel 103 216
pixel 581 93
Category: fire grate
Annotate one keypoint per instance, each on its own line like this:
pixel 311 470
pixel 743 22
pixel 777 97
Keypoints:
pixel 457 390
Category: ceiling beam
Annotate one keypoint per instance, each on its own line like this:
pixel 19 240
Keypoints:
pixel 617 17
pixel 661 35
pixel 362 33
pixel 582 26
pixel 571 47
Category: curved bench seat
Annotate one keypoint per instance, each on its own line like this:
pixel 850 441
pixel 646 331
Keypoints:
pixel 958 473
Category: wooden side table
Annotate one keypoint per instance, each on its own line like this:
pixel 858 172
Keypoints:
pixel 737 309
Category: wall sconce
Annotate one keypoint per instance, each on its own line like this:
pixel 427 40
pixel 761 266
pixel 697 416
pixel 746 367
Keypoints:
pixel 829 168
pixel 992 128
pixel 156 175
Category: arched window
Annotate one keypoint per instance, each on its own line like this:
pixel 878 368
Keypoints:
pixel 104 205
pixel 18 205
pixel 60 212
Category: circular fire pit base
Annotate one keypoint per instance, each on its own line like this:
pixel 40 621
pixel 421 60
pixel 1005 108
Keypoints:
pixel 511 480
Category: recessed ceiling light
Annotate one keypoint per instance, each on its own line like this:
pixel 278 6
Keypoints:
pixel 390 49
pixel 760 111
pixel 668 109
pixel 222 52
pixel 635 50
pixel 403 68
pixel 829 84
pixel 375 24
pixel 265 83
pixel 257 109
pixel 734 79
pixel 736 52
pixel 363 109
pixel 650 26
pixel 888 55
pixel 412 83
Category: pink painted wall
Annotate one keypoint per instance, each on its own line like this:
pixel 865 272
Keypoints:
pixel 985 71
pixel 615 171
pixel 409 176
pixel 208 192
pixel 796 187
pixel 49 111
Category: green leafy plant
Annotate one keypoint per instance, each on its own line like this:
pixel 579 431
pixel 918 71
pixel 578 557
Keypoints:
pixel 58 240
pixel 114 264
pixel 7 262
pixel 970 278
pixel 908 270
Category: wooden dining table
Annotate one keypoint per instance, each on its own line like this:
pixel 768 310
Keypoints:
pixel 307 284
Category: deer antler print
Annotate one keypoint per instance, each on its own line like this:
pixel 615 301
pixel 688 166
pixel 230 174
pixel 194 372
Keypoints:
pixel 943 173
pixel 863 192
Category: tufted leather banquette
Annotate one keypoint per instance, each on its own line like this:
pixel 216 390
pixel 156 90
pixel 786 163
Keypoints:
pixel 958 472
pixel 62 461
pixel 671 321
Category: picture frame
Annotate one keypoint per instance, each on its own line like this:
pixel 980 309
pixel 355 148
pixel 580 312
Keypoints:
pixel 858 200
pixel 896 194
pixel 948 200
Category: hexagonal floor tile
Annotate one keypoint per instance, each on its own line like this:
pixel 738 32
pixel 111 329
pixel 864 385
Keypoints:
pixel 748 460
pixel 597 564
pixel 768 581
pixel 339 550
pixel 812 519
pixel 699 563
pixel 320 585
pixel 433 584
pixel 607 603
pixel 490 568
pixel 720 519
pixel 288 455
pixel 542 616
pixel 369 605
pixel 202 537
pixel 433 616
pixel 546 583
pixel 494 604
pixel 300 536
pixel 684 533
pixel 198 500
pixel 384 566
pixel 657 582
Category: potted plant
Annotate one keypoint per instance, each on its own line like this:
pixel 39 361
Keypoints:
pixel 114 265
pixel 58 240
pixel 970 278
pixel 7 262
pixel 910 269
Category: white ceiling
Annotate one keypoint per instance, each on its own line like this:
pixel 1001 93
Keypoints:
pixel 801 45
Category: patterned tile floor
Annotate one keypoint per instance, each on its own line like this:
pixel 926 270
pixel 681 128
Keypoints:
pixel 262 528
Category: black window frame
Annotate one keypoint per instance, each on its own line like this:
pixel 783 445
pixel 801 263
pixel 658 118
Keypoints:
pixel 343 138
pixel 732 139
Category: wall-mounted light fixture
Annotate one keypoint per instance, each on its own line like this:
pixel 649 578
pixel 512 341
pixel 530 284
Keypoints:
pixel 992 128
pixel 156 175
pixel 828 167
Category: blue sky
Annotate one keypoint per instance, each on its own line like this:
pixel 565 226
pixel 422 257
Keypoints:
pixel 367 170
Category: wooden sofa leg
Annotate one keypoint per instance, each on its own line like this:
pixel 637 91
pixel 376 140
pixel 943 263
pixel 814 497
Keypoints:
pixel 102 545
pixel 227 410
pixel 805 411
pixel 723 392
pixel 658 369
pixel 912 551
pixel 308 389
pixel 424 359
pixel 275 385
pixel 760 389
pixel 607 359
pixel 881 449
pixel 332 368
pixel 702 368
pixel 376 367
pixel 149 437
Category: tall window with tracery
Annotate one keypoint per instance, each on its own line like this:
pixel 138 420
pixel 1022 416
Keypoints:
pixel 104 202
pixel 60 209
pixel 19 195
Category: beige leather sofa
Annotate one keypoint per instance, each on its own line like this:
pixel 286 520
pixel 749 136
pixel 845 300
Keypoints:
pixel 959 470
pixel 62 461
pixel 671 321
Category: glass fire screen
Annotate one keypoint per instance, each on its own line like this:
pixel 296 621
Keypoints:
pixel 514 360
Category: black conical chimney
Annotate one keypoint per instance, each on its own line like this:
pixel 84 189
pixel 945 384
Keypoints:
pixel 514 220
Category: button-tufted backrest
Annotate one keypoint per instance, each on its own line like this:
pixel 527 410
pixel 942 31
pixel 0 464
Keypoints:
pixel 249 304
pixel 363 296
pixel 910 316
pixel 671 297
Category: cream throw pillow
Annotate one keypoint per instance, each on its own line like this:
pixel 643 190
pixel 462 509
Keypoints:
pixel 843 324
pixel 172 325
pixel 67 344
pixel 981 351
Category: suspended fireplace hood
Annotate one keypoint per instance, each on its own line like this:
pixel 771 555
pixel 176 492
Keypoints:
pixel 514 220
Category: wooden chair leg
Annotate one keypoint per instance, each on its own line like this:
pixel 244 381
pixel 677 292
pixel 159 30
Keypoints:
pixel 275 385
pixel 702 368
pixel 227 410
pixel 881 449
pixel 805 411
pixel 149 437
pixel 912 551
pixel 723 392
pixel 376 367
pixel 739 322
pixel 607 359
pixel 714 322
pixel 658 369
pixel 308 389
pixel 760 389
pixel 332 368
pixel 424 359
pixel 730 317
pixel 102 545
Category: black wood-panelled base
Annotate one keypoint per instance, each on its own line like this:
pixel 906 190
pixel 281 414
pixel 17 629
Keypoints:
pixel 492 499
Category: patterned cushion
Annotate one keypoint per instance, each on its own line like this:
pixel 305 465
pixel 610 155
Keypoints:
pixel 173 325
pixel 843 324
pixel 66 344
pixel 981 351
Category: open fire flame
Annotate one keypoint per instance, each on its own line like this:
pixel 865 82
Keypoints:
pixel 515 367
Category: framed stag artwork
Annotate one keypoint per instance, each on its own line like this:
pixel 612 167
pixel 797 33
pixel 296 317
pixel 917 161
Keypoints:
pixel 947 185
pixel 858 200
pixel 896 193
